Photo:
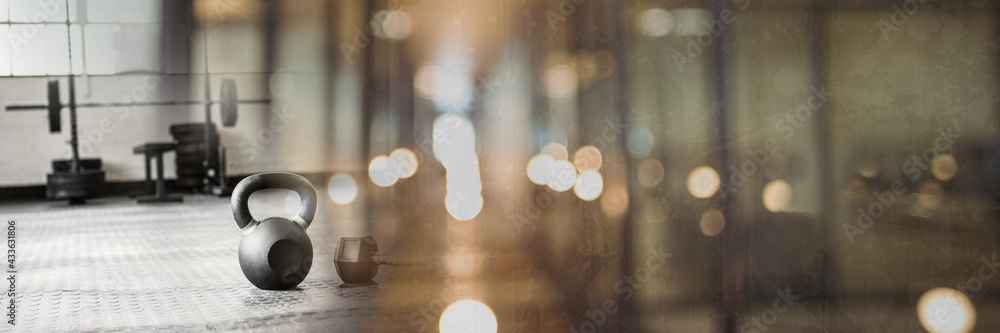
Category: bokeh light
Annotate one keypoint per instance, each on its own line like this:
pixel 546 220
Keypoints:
pixel 342 188
pixel 395 24
pixel 463 207
pixel 556 150
pixel 467 316
pixel 538 169
pixel 560 81
pixel 656 22
pixel 650 172
pixel 712 222
pixel 383 171
pixel 464 180
pixel 455 147
pixel 562 176
pixel 589 185
pixel 454 139
pixel 946 310
pixel 614 201
pixel 640 141
pixel 777 195
pixel 868 168
pixel 423 81
pixel 703 182
pixel 944 167
pixel 452 81
pixel 587 158
pixel 406 162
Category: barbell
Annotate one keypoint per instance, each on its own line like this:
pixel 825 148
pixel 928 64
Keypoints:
pixel 228 102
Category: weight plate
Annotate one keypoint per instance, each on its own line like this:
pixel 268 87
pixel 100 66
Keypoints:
pixel 85 163
pixel 75 185
pixel 191 148
pixel 194 159
pixel 182 129
pixel 191 172
pixel 196 137
pixel 54 107
pixel 191 167
pixel 200 152
pixel 228 102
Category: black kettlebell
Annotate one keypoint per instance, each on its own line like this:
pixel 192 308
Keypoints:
pixel 275 253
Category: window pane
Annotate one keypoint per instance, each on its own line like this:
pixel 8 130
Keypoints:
pixel 123 11
pixel 114 48
pixel 41 11
pixel 4 10
pixel 45 53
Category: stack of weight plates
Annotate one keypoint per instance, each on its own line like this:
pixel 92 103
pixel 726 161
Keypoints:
pixel 192 168
pixel 75 186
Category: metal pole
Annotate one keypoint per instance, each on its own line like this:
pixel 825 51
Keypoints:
pixel 74 143
pixel 161 188
pixel 208 104
pixel 619 46
pixel 730 247
pixel 44 106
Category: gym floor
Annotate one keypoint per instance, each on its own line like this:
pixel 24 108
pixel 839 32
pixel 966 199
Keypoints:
pixel 117 266
pixel 113 265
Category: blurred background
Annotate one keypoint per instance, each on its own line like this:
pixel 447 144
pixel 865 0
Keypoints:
pixel 579 165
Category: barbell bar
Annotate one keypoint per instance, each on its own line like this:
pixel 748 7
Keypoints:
pixel 228 104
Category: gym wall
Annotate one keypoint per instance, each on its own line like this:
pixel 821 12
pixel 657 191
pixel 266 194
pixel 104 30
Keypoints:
pixel 294 133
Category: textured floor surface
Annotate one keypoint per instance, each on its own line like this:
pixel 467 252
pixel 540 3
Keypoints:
pixel 113 265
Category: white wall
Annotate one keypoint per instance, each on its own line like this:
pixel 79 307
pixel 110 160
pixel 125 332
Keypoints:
pixel 289 139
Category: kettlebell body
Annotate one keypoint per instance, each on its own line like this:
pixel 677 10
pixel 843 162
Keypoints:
pixel 275 253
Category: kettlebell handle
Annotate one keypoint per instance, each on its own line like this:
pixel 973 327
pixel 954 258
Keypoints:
pixel 268 181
